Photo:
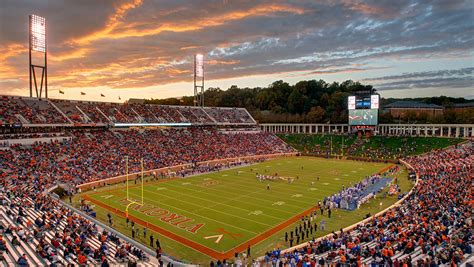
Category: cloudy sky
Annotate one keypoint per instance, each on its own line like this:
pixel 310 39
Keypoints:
pixel 144 48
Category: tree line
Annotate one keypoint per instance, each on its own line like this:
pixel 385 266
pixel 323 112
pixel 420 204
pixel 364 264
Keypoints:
pixel 312 101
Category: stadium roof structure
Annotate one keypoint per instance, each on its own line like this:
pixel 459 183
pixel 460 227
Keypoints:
pixel 463 105
pixel 412 105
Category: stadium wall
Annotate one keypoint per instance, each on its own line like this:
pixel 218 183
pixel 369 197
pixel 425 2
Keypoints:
pixel 30 141
pixel 432 130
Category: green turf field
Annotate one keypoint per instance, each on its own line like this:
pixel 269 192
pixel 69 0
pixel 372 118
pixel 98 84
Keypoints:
pixel 234 204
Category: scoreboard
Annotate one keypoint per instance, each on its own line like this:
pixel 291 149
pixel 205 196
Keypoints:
pixel 363 110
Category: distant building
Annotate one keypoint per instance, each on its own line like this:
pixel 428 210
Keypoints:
pixel 401 109
pixel 459 107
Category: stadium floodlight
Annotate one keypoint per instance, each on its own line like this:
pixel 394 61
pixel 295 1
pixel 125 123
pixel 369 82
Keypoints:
pixel 37 44
pixel 199 65
pixel 38 33
pixel 199 79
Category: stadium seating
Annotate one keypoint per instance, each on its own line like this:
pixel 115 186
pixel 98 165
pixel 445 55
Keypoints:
pixel 432 226
pixel 24 110
pixel 40 231
pixel 94 155
pixel 47 233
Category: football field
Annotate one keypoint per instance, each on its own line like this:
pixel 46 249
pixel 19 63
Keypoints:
pixel 223 212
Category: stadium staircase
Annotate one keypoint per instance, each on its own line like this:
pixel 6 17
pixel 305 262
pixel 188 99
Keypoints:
pixel 60 111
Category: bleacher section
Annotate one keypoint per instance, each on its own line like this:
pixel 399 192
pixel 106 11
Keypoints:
pixel 38 230
pixel 32 111
pixel 94 154
pixel 44 233
pixel 431 227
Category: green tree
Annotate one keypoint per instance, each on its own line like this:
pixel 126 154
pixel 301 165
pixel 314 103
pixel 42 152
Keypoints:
pixel 316 114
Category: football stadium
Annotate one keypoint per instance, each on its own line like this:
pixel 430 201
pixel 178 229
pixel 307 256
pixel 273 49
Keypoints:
pixel 99 167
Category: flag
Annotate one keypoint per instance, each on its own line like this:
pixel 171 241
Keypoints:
pixel 82 93
pixel 120 98
pixel 61 92
pixel 102 95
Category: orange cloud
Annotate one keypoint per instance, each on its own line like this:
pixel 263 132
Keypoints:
pixel 189 47
pixel 111 24
pixel 363 7
pixel 116 30
pixel 12 50
pixel 79 53
pixel 222 62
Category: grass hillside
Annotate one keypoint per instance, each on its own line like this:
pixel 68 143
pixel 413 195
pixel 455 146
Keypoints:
pixel 381 147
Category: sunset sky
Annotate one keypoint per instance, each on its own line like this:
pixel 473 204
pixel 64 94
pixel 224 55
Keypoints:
pixel 144 48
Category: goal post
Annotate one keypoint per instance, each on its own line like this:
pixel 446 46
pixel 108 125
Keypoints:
pixel 131 201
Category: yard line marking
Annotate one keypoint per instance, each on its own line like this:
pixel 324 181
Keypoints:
pixel 255 212
pixel 239 195
pixel 197 215
pixel 281 186
pixel 228 214
pixel 221 203
pixel 278 203
pixel 219 237
pixel 297 195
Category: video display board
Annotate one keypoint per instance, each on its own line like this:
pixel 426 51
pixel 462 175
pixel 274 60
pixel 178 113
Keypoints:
pixel 363 117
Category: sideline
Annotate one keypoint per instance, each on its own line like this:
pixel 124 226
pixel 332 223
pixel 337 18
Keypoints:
pixel 349 228
pixel 137 244
pixel 201 248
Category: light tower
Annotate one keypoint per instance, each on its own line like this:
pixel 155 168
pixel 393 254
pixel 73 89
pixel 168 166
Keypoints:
pixel 37 44
pixel 198 80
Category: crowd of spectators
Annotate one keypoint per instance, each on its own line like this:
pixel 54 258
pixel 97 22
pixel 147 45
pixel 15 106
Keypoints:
pixel 29 170
pixel 37 111
pixel 229 115
pixel 433 225
pixel 8 109
pixel 57 234
pixel 100 154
